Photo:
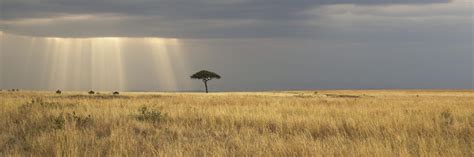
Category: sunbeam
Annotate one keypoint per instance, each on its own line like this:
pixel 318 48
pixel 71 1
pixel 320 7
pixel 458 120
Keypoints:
pixel 28 56
pixel 107 67
pixel 181 63
pixel 1 59
pixel 94 63
pixel 161 60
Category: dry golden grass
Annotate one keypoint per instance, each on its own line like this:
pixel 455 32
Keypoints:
pixel 323 123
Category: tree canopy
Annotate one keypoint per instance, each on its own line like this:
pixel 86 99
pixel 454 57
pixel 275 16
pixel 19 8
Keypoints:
pixel 205 75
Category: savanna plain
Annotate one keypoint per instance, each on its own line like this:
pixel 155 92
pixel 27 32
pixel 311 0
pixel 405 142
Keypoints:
pixel 292 123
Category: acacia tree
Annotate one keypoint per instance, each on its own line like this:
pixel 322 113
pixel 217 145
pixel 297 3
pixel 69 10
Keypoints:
pixel 205 76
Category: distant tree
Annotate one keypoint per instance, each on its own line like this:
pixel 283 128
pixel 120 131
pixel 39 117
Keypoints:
pixel 205 76
pixel 91 92
pixel 58 91
pixel 116 93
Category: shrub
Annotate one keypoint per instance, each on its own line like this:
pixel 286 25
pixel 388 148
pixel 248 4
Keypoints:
pixel 80 121
pixel 59 122
pixel 447 121
pixel 152 116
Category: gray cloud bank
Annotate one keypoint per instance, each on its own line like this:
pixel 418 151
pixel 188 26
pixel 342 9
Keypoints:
pixel 174 18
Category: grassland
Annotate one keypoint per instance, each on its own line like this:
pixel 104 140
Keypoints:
pixel 309 123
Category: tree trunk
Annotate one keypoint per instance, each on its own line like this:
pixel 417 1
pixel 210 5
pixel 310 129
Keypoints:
pixel 205 84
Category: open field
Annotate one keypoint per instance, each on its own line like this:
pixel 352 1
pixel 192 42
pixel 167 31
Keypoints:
pixel 309 123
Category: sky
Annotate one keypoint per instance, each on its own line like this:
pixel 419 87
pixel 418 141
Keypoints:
pixel 255 45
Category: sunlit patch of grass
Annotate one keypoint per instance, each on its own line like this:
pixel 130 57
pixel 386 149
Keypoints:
pixel 332 123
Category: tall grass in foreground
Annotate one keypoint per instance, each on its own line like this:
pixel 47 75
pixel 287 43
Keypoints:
pixel 327 123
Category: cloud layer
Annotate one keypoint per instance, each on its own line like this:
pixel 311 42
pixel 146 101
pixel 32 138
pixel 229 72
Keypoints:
pixel 174 18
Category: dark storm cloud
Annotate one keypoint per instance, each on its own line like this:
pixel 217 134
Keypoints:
pixel 207 9
pixel 170 18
